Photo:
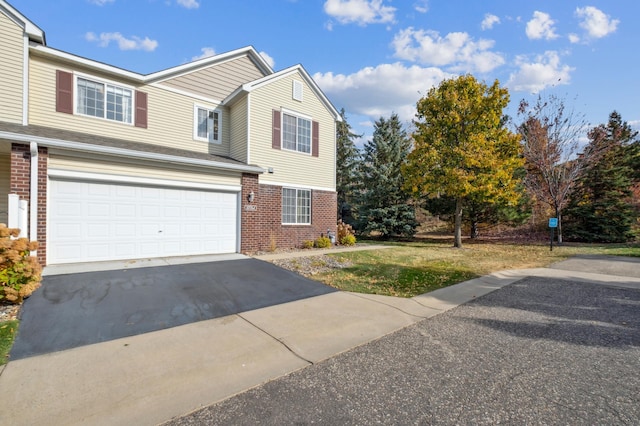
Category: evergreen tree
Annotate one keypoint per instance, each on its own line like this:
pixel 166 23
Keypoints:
pixel 600 209
pixel 383 204
pixel 347 157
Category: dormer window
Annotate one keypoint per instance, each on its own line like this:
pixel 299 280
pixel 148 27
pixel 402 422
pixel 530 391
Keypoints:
pixel 207 125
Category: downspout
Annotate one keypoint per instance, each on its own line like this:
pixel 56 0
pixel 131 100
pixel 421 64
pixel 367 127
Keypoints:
pixel 33 196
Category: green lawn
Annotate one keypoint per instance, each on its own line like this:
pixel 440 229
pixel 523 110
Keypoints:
pixel 409 269
pixel 8 331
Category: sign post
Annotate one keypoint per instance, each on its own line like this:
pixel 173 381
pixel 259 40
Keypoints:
pixel 553 224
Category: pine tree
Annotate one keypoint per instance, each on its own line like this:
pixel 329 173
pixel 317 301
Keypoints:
pixel 347 157
pixel 600 209
pixel 383 204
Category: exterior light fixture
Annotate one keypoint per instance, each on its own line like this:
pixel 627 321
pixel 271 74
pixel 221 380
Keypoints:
pixel 251 197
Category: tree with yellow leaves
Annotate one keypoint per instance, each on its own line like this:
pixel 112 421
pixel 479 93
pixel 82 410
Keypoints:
pixel 462 147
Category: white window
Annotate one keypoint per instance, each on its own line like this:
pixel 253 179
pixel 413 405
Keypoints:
pixel 104 100
pixel 207 124
pixel 296 133
pixel 296 206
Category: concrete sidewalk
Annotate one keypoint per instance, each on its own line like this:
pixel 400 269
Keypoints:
pixel 151 378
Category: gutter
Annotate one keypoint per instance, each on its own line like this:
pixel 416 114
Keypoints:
pixel 76 146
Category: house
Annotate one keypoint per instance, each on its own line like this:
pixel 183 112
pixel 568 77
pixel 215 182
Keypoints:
pixel 220 155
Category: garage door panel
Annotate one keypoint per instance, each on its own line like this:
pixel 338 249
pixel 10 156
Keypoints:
pixel 91 221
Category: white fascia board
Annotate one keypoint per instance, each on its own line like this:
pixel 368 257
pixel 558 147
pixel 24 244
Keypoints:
pixel 76 146
pixel 157 76
pixel 295 185
pixel 248 87
pixel 205 62
pixel 59 54
pixel 103 177
pixel 31 29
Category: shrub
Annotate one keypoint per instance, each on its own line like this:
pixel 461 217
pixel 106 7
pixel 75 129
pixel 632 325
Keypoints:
pixel 344 230
pixel 348 240
pixel 20 273
pixel 323 242
pixel 307 244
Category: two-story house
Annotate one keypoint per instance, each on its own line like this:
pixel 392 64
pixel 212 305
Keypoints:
pixel 220 155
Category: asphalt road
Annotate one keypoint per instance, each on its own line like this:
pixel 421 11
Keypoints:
pixel 540 351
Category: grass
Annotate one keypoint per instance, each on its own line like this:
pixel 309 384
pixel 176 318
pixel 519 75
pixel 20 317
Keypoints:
pixel 413 268
pixel 8 331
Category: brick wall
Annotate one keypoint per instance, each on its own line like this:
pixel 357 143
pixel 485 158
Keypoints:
pixel 261 222
pixel 20 183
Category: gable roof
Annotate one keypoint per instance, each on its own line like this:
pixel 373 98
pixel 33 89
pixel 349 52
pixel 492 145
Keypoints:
pixel 296 69
pixel 31 30
pixel 159 76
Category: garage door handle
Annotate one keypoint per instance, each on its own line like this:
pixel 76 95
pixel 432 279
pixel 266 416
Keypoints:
pixel 159 231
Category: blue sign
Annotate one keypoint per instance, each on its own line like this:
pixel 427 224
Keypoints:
pixel 553 222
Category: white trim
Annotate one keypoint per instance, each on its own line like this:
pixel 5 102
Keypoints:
pixel 99 66
pixel 105 83
pixel 256 84
pixel 297 91
pixel 249 128
pixel 76 146
pixel 296 186
pixel 185 93
pixel 310 191
pixel 239 222
pixel 30 29
pixel 170 183
pixel 33 195
pixel 291 113
pixel 160 75
pixel 197 107
pixel 25 82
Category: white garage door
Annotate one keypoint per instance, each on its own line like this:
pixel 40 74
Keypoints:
pixel 91 221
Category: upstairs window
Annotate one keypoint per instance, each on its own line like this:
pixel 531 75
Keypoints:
pixel 296 206
pixel 296 133
pixel 104 100
pixel 207 124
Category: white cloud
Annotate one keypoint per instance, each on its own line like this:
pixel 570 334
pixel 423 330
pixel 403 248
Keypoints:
pixel 268 59
pixel 100 2
pixel 133 43
pixel 206 52
pixel 545 71
pixel 595 22
pixel 381 90
pixel 421 6
pixel 361 12
pixel 456 50
pixel 574 38
pixel 489 21
pixel 189 4
pixel 541 26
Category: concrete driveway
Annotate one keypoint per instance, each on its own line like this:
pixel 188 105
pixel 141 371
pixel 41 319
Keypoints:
pixel 80 309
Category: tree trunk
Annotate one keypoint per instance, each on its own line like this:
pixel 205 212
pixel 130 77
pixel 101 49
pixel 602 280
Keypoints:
pixel 474 230
pixel 559 226
pixel 458 224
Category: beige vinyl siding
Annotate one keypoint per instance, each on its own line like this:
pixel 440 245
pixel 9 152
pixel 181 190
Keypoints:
pixel 292 167
pixel 217 81
pixel 11 78
pixel 5 184
pixel 170 115
pixel 101 165
pixel 239 129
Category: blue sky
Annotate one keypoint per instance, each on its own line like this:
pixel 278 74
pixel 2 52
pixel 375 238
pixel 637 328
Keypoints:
pixel 375 57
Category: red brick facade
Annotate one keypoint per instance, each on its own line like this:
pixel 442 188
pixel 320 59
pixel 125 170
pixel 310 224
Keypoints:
pixel 20 183
pixel 261 220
